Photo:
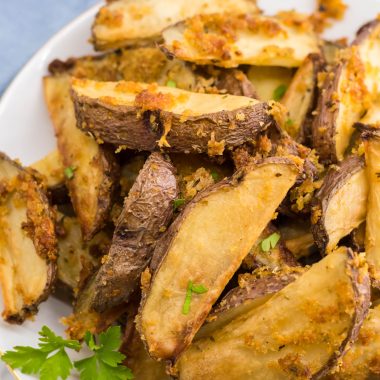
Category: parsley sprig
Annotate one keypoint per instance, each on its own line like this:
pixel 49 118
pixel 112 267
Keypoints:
pixel 51 362
pixel 270 242
pixel 192 288
pixel 279 92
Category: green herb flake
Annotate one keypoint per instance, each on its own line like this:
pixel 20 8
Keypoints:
pixel 69 172
pixel 192 288
pixel 178 203
pixel 279 92
pixel 289 122
pixel 171 83
pixel 215 176
pixel 270 242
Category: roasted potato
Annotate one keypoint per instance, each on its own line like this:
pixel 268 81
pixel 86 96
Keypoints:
pixel 285 40
pixel 28 244
pixel 130 22
pixel 301 98
pixel 145 117
pixel 200 248
pixel 299 333
pixel 340 205
pixel 146 213
pixel 91 170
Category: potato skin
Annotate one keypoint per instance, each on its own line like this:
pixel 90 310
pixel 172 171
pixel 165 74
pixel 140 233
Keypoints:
pixel 334 180
pixel 119 125
pixel 147 211
pixel 39 227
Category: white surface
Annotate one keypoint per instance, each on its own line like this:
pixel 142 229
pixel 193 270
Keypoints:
pixel 26 133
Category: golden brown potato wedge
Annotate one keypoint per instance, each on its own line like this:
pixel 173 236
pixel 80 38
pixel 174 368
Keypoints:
pixel 200 248
pixel 270 82
pixel 361 362
pixel 146 213
pixel 371 137
pixel 130 22
pixel 51 168
pixel 92 170
pixel 78 259
pixel 340 105
pixel 28 245
pixel 253 290
pixel 229 40
pixel 340 205
pixel 145 117
pixel 300 333
pixel 301 98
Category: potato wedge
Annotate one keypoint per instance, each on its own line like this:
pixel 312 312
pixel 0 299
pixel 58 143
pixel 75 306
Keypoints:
pixel 361 362
pixel 253 290
pixel 78 259
pixel 146 213
pixel 145 117
pixel 130 22
pixel 28 245
pixel 51 168
pixel 371 137
pixel 340 105
pixel 230 40
pixel 93 170
pixel 200 247
pixel 340 205
pixel 301 98
pixel 300 333
pixel 368 43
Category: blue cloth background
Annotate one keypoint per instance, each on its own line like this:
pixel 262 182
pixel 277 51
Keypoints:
pixel 25 25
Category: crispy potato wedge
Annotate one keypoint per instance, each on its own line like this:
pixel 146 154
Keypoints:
pixel 371 137
pixel 93 169
pixel 274 258
pixel 267 79
pixel 340 205
pixel 301 98
pixel 200 247
pixel 361 362
pixel 145 117
pixel 299 333
pixel 368 43
pixel 51 168
pixel 28 245
pixel 130 22
pixel 253 290
pixel 150 65
pixel 76 258
pixel 340 105
pixel 146 213
pixel 229 40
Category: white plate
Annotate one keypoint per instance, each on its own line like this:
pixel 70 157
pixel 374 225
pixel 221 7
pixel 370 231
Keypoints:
pixel 26 132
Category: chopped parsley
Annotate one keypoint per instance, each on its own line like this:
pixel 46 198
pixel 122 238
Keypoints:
pixel 289 122
pixel 270 242
pixel 171 83
pixel 69 172
pixel 178 203
pixel 279 92
pixel 215 176
pixel 192 288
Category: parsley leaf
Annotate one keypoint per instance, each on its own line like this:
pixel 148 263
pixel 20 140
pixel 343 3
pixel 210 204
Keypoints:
pixel 279 92
pixel 192 288
pixel 171 83
pixel 215 176
pixel 50 360
pixel 178 203
pixel 106 362
pixel 69 172
pixel 270 242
